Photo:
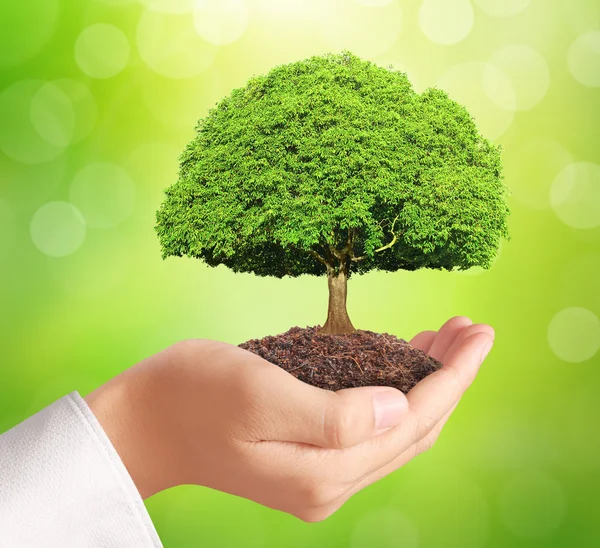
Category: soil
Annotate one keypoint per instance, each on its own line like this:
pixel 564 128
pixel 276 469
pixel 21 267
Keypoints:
pixel 334 362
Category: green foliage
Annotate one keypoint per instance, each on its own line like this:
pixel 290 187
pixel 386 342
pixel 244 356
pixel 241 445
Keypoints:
pixel 329 148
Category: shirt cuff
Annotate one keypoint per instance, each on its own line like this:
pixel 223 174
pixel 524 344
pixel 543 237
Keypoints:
pixel 62 484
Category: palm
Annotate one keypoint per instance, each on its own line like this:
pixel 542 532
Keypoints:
pixel 431 401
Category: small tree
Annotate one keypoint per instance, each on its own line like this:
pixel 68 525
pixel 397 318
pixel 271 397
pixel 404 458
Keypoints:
pixel 334 166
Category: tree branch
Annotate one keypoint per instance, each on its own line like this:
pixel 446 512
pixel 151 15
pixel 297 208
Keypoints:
pixel 348 249
pixel 351 236
pixel 393 241
pixel 330 257
pixel 314 254
pixel 387 246
pixel 335 252
pixel 319 258
pixel 332 250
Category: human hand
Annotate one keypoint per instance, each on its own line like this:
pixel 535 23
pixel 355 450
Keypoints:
pixel 209 413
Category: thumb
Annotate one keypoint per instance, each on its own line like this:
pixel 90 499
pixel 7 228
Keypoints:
pixel 337 420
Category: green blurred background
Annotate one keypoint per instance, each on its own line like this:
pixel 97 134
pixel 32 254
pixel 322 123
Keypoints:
pixel 98 99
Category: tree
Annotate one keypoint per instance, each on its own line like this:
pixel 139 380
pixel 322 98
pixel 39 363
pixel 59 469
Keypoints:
pixel 336 166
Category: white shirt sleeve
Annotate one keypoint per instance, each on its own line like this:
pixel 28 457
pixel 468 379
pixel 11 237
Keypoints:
pixel 63 485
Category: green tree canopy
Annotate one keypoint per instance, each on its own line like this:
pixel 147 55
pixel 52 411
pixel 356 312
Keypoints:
pixel 334 163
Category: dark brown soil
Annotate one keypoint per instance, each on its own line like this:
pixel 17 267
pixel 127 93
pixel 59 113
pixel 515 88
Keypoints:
pixel 333 362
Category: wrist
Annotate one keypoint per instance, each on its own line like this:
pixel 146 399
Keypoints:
pixel 125 407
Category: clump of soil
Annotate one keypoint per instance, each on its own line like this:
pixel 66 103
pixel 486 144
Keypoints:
pixel 334 362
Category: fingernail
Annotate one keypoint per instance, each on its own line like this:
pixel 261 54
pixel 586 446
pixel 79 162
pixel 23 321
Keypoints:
pixel 390 407
pixel 486 350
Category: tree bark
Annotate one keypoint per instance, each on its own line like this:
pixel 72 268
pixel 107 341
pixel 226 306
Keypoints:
pixel 338 321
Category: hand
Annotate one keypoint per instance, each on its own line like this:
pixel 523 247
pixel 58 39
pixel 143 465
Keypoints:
pixel 209 413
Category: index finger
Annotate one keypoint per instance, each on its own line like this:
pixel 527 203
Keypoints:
pixel 435 395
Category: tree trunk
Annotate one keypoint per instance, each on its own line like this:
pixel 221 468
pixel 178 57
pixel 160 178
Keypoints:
pixel 338 321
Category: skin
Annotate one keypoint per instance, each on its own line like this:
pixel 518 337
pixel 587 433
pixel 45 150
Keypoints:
pixel 209 413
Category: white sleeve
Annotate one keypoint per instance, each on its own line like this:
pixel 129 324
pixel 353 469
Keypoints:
pixel 62 484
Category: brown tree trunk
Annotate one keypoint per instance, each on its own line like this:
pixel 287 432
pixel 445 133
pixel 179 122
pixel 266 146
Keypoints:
pixel 338 321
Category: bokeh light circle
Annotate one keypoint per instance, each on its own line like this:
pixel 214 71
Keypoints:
pixel 502 8
pixel 170 45
pixel 466 83
pixel 104 193
pixel 102 51
pixel 574 334
pixel 387 525
pixel 584 58
pixel 26 29
pixel 57 229
pixel 365 31
pixel 19 138
pixel 446 22
pixel 575 195
pixel 52 115
pixel 528 73
pixel 84 106
pixel 532 504
pixel 222 22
